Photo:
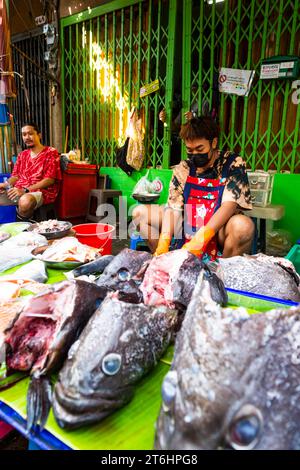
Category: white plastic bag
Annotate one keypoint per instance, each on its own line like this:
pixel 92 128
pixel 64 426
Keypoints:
pixel 143 186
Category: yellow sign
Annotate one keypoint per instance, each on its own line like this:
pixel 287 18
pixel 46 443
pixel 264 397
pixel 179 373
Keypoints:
pixel 150 88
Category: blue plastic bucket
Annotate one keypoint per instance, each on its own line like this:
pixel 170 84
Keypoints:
pixel 7 213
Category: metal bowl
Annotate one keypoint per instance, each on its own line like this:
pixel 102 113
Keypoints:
pixel 53 235
pixel 146 197
pixel 67 265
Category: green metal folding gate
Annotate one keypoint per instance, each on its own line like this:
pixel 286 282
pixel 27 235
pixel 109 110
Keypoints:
pixel 263 127
pixel 108 54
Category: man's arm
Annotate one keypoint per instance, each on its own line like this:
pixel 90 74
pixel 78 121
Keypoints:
pixel 11 181
pixel 18 192
pixel 43 184
pixel 200 240
pixel 222 215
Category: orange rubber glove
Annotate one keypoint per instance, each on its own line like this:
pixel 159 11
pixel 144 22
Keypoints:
pixel 163 244
pixel 199 241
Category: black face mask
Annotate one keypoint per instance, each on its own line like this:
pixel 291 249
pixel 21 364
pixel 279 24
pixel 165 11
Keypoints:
pixel 198 160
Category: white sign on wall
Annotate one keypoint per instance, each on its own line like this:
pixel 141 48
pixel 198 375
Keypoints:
pixel 235 81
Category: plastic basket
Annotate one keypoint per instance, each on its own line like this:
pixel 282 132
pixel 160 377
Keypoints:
pixel 261 186
pixel 294 256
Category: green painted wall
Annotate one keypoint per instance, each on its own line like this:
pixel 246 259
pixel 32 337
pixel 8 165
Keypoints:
pixel 286 191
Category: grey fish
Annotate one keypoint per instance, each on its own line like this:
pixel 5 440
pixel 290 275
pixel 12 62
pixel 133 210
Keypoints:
pixel 261 274
pixel 234 380
pixel 124 274
pixel 171 278
pixel 35 270
pixel 96 266
pixel 39 338
pixel 10 257
pixel 119 345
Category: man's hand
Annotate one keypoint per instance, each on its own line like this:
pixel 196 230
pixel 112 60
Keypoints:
pixel 15 193
pixel 188 115
pixel 199 241
pixel 3 187
pixel 162 116
pixel 163 244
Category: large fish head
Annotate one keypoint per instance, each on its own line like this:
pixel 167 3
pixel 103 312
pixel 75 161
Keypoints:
pixel 118 346
pixel 171 278
pixel 120 274
pixel 234 381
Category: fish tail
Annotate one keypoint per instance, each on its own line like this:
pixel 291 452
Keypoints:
pixel 38 402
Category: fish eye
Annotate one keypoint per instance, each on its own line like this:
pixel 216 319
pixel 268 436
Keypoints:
pixel 245 429
pixel 124 275
pixel 169 387
pixel 111 363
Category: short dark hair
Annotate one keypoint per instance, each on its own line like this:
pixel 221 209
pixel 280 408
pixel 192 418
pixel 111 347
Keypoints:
pixel 202 127
pixel 32 124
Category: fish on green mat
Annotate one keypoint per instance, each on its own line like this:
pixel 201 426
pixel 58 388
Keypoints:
pixel 121 343
pixel 35 270
pixel 261 274
pixel 234 380
pixel 38 340
pixel 93 267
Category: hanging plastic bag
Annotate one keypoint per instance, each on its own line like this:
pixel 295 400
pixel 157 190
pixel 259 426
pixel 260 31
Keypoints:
pixel 136 150
pixel 121 158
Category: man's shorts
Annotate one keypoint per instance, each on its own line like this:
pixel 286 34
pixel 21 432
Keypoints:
pixel 5 201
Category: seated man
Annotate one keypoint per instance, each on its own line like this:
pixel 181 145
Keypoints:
pixel 36 175
pixel 206 194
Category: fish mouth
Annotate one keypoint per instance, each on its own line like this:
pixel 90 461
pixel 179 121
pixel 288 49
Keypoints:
pixel 74 410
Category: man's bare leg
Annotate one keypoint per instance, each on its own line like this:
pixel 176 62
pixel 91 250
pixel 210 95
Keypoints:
pixel 26 205
pixel 148 219
pixel 236 236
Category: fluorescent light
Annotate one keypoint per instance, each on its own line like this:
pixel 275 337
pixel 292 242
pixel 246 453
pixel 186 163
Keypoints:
pixel 210 2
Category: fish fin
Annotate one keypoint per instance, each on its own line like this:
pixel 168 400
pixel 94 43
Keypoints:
pixel 38 402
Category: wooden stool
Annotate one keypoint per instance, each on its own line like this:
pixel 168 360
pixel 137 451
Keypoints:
pixel 45 212
pixel 271 212
pixel 98 197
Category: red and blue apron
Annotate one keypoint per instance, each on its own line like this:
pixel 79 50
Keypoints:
pixel 202 198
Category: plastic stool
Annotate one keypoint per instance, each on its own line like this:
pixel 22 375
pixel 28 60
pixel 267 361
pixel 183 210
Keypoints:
pixel 136 240
pixel 96 198
pixel 45 212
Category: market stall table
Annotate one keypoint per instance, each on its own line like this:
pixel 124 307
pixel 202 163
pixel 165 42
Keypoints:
pixel 271 212
pixel 130 428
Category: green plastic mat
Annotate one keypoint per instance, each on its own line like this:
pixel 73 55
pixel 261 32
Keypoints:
pixel 252 304
pixel 14 228
pixel 130 428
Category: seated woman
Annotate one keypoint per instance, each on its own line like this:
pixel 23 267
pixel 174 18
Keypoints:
pixel 36 175
pixel 206 195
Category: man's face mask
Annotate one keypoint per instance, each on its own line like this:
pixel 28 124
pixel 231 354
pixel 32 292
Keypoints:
pixel 198 159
